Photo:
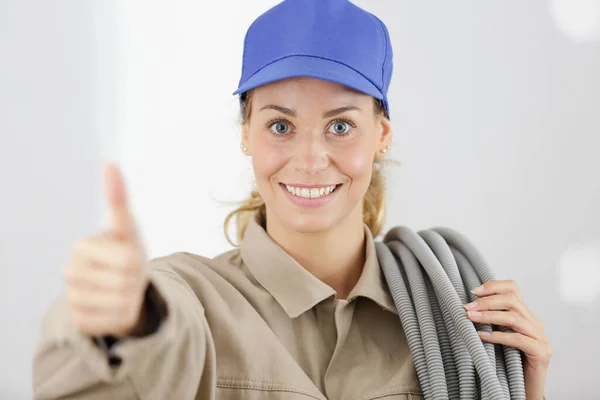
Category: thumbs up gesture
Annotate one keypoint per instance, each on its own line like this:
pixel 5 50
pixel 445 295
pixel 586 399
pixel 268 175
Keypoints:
pixel 106 278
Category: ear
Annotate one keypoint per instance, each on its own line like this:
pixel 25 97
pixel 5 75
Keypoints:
pixel 384 137
pixel 245 145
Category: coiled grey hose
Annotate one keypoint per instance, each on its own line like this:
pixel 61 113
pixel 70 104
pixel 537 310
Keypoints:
pixel 431 275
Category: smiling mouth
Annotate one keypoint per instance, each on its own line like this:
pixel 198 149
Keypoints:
pixel 312 192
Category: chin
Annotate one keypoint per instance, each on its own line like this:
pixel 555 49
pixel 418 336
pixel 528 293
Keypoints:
pixel 310 223
pixel 288 213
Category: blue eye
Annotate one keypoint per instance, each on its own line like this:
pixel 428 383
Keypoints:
pixel 339 128
pixel 280 127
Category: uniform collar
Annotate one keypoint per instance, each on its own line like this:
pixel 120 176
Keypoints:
pixel 296 289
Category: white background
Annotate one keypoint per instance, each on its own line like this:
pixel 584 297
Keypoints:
pixel 495 107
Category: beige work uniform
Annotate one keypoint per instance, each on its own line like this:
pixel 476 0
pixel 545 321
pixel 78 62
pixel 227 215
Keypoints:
pixel 249 324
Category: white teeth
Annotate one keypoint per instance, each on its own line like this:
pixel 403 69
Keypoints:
pixel 312 193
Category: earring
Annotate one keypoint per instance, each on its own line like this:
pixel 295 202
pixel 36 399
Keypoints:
pixel 387 148
pixel 244 148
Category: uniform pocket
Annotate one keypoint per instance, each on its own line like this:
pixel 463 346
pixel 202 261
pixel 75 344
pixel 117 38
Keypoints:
pixel 403 392
pixel 399 396
pixel 252 389
pixel 253 394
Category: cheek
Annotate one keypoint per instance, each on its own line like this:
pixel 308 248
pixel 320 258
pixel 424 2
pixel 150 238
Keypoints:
pixel 266 160
pixel 357 163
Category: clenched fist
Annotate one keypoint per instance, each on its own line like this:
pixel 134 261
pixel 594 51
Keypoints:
pixel 106 278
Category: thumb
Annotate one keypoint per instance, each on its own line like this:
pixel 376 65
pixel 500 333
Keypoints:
pixel 122 222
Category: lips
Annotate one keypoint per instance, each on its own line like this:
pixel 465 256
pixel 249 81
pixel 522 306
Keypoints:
pixel 310 192
pixel 310 196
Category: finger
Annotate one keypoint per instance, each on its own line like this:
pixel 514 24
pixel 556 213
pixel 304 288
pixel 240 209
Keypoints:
pixel 499 302
pixel 530 346
pixel 123 223
pixel 86 276
pixel 100 323
pixel 497 287
pixel 104 251
pixel 95 301
pixel 510 319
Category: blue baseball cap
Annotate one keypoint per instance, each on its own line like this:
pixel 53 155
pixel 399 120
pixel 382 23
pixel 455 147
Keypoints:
pixel 333 40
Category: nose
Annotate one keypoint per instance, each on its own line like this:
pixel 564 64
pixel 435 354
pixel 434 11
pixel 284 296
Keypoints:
pixel 310 153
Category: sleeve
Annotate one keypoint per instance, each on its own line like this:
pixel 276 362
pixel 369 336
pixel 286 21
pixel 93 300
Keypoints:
pixel 177 361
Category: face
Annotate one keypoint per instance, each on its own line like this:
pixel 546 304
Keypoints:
pixel 313 144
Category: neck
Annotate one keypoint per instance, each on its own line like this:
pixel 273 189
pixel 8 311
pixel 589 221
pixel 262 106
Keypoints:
pixel 336 256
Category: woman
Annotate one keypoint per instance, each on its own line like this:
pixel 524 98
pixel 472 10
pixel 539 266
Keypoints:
pixel 300 310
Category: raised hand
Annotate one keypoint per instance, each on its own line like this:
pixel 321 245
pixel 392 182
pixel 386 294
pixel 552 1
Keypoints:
pixel 106 278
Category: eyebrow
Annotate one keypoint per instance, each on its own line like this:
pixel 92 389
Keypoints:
pixel 292 113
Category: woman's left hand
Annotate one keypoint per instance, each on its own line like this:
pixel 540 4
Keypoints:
pixel 500 303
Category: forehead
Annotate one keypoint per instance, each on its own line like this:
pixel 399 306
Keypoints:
pixel 301 88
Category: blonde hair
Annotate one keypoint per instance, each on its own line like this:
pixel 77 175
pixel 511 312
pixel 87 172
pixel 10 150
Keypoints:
pixel 374 206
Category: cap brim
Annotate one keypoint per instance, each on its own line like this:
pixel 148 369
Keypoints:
pixel 314 67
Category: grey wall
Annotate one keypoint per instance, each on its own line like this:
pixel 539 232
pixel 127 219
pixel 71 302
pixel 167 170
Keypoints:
pixel 496 122
pixel 48 154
